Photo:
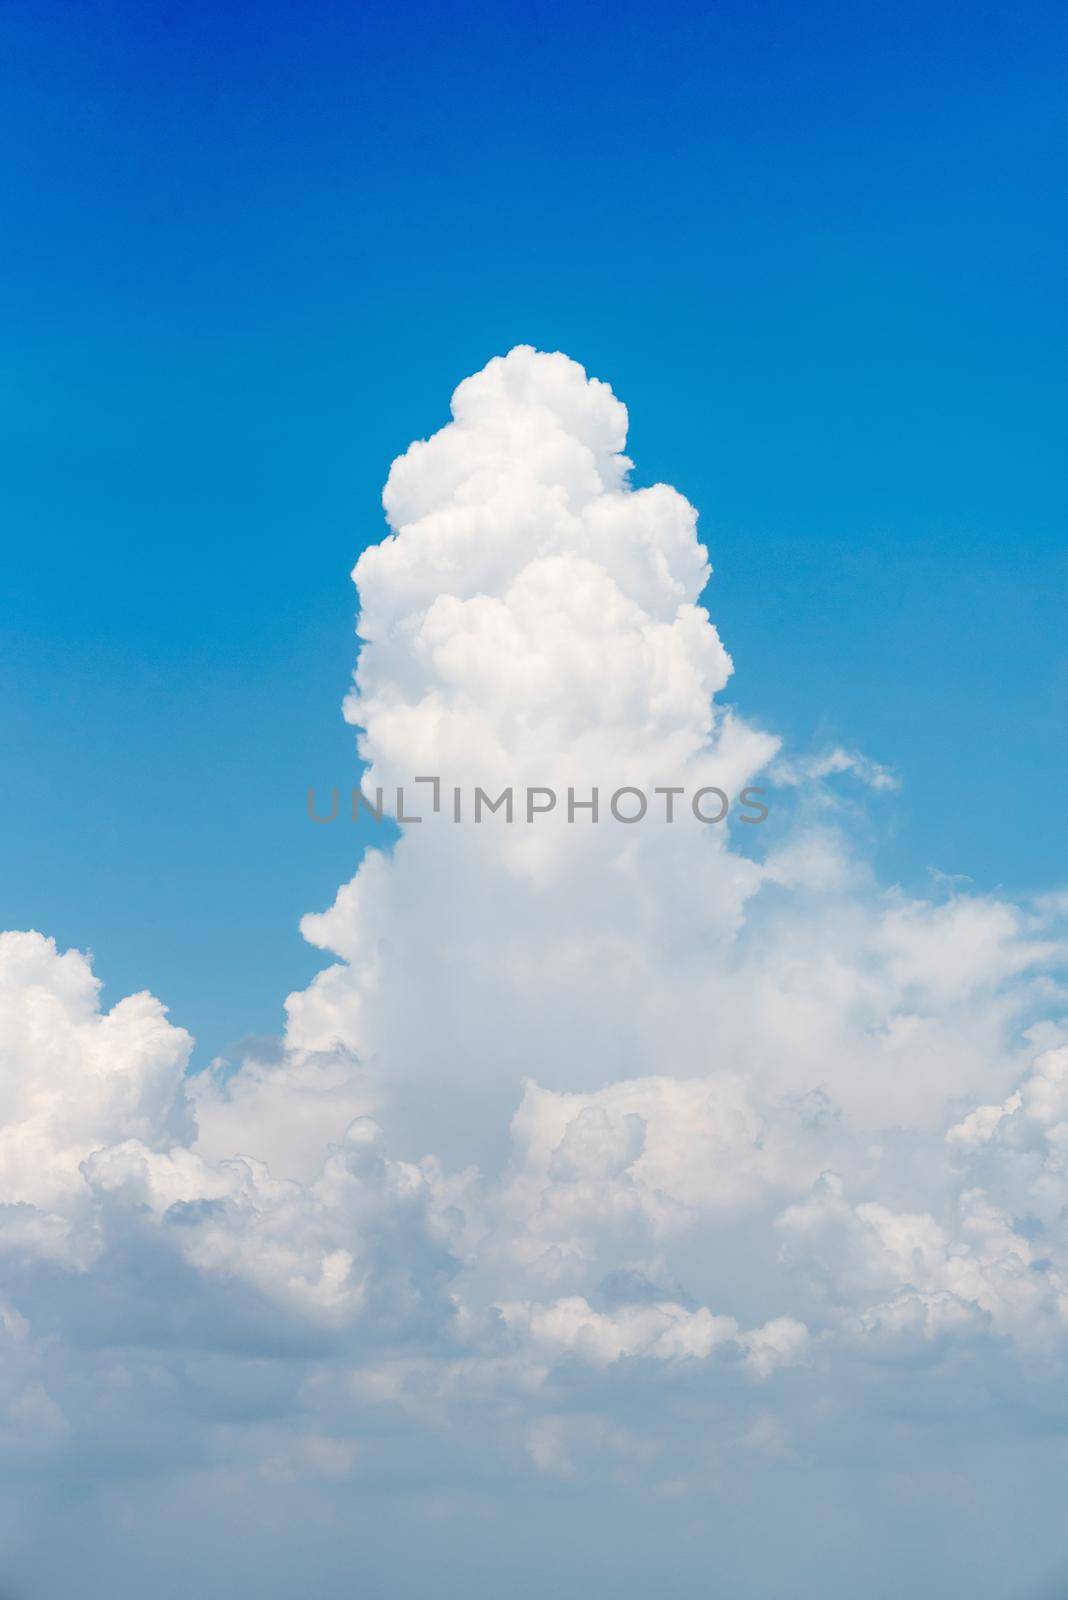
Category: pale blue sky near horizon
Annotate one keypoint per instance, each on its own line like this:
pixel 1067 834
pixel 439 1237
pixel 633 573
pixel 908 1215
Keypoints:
pixel 249 252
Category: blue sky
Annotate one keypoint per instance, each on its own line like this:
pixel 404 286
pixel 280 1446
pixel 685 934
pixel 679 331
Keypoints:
pixel 251 248
pixel 618 1214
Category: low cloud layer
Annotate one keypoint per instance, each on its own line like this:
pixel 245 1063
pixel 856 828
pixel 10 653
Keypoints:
pixel 691 1203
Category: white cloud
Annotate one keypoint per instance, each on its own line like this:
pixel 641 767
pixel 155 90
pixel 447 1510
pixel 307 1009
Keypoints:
pixel 581 1115
pixel 830 763
pixel 74 1078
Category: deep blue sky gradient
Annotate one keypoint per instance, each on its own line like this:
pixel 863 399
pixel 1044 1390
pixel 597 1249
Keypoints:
pixel 249 249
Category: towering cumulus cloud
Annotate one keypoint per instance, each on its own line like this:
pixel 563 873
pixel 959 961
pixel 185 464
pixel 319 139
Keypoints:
pixel 632 1180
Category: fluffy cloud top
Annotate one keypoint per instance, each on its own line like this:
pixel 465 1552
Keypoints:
pixel 609 1154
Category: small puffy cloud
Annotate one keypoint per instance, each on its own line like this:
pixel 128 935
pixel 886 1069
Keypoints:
pixel 74 1078
pixel 782 1342
pixel 661 1332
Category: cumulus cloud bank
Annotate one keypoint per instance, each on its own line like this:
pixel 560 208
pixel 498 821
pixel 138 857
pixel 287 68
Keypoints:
pixel 607 1165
